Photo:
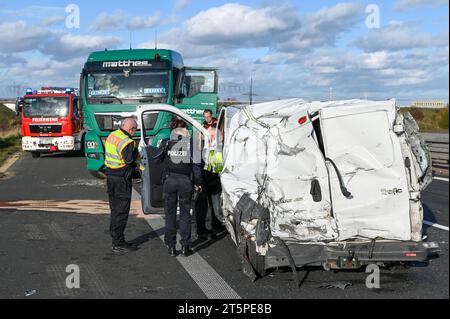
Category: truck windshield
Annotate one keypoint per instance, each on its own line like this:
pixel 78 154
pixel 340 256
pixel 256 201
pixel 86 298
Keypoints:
pixel 46 106
pixel 131 84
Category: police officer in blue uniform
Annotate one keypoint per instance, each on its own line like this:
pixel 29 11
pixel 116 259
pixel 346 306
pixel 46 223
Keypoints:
pixel 180 177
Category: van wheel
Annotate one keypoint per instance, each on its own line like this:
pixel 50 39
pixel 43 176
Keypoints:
pixel 97 174
pixel 256 259
pixel 35 155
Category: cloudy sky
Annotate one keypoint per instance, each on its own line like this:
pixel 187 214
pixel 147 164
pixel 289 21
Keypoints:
pixel 362 49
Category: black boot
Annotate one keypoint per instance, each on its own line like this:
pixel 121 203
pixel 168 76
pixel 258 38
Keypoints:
pixel 186 251
pixel 172 251
pixel 124 247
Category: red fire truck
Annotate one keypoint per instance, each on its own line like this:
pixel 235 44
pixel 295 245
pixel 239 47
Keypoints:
pixel 52 120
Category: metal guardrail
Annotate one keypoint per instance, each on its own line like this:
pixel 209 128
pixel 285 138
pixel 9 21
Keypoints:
pixel 438 146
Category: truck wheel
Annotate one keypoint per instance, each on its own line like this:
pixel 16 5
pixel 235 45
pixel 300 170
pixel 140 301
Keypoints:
pixel 256 259
pixel 97 174
pixel 35 154
pixel 81 151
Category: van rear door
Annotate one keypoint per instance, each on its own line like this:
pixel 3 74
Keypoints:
pixel 362 148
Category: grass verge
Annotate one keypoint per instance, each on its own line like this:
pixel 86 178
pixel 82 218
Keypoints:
pixel 8 146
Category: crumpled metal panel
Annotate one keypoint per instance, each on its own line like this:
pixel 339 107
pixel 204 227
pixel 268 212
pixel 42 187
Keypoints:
pixel 422 157
pixel 269 155
pixel 274 159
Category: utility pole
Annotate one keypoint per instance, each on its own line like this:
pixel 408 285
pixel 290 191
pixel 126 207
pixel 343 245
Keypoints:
pixel 251 90
pixel 156 39
pixel 131 39
pixel 251 94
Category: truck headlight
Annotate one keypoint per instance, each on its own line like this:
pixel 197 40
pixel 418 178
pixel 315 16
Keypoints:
pixel 91 145
pixel 93 156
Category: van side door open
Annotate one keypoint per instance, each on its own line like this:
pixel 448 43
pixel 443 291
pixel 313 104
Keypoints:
pixel 152 182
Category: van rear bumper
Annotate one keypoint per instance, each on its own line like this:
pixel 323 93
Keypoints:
pixel 349 255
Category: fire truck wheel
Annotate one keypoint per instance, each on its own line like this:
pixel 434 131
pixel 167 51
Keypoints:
pixel 35 154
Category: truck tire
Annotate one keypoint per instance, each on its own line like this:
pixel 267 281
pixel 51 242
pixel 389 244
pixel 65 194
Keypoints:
pixel 35 154
pixel 81 151
pixel 256 259
pixel 97 174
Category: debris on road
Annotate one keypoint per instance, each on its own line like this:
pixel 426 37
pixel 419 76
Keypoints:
pixel 336 284
pixel 30 292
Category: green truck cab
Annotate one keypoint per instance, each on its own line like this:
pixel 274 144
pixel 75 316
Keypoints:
pixel 114 82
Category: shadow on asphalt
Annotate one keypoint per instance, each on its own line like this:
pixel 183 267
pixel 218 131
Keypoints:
pixel 146 237
pixel 200 243
pixel 62 155
pixel 428 215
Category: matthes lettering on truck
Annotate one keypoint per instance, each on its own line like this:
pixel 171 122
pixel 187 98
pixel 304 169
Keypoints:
pixel 120 64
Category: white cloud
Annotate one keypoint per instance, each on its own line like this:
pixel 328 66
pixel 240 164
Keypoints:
pixel 400 36
pixel 19 36
pixel 136 23
pixel 22 37
pixel 281 28
pixel 324 26
pixel 35 11
pixel 181 5
pixel 241 25
pixel 44 71
pixel 109 22
pixel 7 60
pixel 53 20
pixel 68 46
pixel 404 5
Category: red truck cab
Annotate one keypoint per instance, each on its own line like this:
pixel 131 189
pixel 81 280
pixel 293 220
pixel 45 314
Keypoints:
pixel 52 120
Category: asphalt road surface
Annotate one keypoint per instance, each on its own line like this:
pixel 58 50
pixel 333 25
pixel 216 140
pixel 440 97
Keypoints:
pixel 54 214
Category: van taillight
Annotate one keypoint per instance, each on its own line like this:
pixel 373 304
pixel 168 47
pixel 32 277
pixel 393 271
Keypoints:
pixel 302 120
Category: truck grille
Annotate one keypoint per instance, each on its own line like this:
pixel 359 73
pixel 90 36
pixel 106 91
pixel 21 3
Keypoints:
pixel 113 122
pixel 109 122
pixel 45 128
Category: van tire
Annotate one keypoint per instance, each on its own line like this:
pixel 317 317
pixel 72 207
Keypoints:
pixel 35 154
pixel 257 261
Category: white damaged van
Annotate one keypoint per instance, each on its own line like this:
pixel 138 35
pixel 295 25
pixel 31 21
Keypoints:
pixel 334 184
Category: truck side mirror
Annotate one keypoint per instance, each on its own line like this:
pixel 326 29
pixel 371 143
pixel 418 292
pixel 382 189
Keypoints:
pixel 19 106
pixel 79 108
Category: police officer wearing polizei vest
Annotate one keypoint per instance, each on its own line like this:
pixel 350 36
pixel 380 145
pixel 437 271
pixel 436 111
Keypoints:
pixel 120 158
pixel 180 177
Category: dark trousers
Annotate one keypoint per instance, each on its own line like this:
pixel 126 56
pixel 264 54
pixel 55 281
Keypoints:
pixel 209 198
pixel 207 202
pixel 177 189
pixel 119 191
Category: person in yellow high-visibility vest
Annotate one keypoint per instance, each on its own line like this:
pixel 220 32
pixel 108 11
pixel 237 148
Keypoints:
pixel 208 202
pixel 121 155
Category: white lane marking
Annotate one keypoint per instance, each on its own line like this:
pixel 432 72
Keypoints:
pixel 426 222
pixel 208 280
pixel 441 179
